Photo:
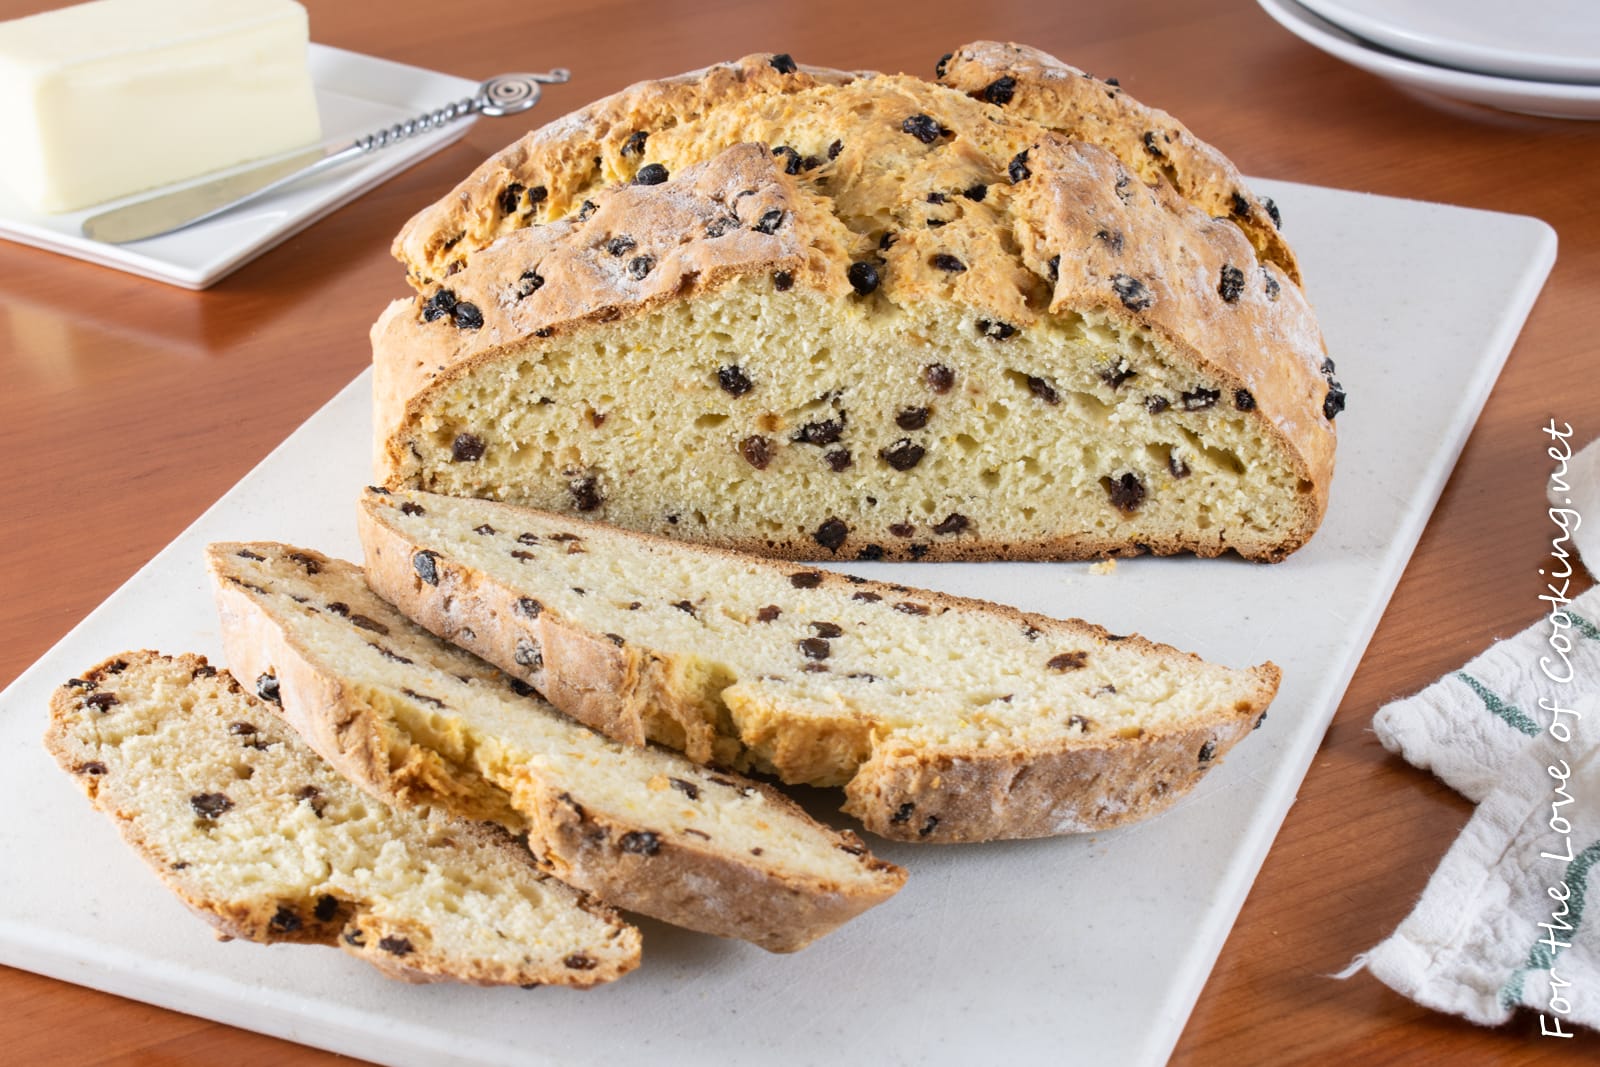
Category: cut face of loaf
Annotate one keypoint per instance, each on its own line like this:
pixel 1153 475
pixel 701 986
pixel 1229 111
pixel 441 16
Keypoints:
pixel 418 722
pixel 261 837
pixel 865 318
pixel 945 719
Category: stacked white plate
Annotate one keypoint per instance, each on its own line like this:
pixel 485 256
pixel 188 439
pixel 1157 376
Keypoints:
pixel 1539 59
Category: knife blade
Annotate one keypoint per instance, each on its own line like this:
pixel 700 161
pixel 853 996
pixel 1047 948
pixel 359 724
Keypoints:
pixel 196 203
pixel 506 94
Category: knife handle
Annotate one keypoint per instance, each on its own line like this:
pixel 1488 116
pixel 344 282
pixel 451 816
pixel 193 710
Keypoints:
pixel 504 95
pixel 419 124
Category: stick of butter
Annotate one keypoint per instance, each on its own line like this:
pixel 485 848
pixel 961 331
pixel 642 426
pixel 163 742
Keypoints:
pixel 114 97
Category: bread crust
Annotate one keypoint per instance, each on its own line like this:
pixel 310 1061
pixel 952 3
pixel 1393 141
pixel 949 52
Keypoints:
pixel 689 886
pixel 781 911
pixel 371 933
pixel 560 156
pixel 1075 785
pixel 1159 148
pixel 952 795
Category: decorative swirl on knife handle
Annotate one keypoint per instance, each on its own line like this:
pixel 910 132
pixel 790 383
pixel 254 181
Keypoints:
pixel 511 93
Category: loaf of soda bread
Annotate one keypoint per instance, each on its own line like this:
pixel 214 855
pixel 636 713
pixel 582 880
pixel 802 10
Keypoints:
pixel 944 719
pixel 415 721
pixel 1009 314
pixel 258 835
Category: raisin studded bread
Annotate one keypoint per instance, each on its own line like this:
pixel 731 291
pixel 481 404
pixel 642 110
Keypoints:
pixel 416 721
pixel 945 719
pixel 262 838
pixel 1013 314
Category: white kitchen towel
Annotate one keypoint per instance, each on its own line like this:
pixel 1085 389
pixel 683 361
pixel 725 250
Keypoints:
pixel 1503 921
pixel 1508 919
pixel 1467 727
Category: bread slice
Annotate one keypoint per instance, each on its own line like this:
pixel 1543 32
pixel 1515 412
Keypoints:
pixel 816 315
pixel 415 721
pixel 944 719
pixel 261 837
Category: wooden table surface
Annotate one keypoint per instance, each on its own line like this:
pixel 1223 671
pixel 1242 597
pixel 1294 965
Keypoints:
pixel 130 406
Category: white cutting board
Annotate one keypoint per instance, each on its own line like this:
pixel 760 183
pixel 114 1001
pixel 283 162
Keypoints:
pixel 1072 950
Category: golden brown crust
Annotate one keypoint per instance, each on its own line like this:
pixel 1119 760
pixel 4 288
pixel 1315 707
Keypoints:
pixel 596 146
pixel 1156 146
pixel 695 888
pixel 372 931
pixel 1079 784
pixel 560 158
pixel 948 796
pixel 779 910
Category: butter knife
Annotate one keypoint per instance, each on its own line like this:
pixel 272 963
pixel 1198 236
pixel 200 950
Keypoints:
pixel 505 95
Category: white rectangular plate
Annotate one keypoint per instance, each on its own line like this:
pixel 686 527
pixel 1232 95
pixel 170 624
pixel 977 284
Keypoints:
pixel 356 95
pixel 1078 949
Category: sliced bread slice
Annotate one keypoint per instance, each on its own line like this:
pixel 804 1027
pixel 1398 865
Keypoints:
pixel 261 837
pixel 945 719
pixel 416 721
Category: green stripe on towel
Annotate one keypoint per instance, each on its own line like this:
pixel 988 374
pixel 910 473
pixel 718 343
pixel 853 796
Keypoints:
pixel 1585 627
pixel 1507 712
pixel 1542 957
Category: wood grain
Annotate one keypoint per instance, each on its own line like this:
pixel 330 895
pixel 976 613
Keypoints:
pixel 131 406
